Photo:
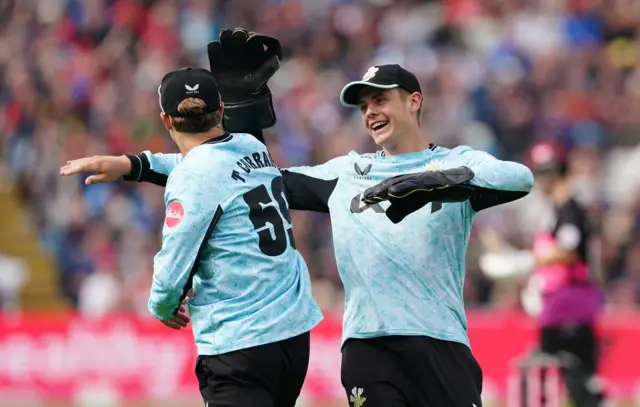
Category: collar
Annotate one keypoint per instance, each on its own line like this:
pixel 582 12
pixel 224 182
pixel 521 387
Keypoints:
pixel 223 138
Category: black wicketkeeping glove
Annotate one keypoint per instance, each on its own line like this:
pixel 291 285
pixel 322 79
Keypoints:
pixel 242 63
pixel 409 192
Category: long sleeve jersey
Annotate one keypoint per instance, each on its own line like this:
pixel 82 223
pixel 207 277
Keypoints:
pixel 229 237
pixel 399 279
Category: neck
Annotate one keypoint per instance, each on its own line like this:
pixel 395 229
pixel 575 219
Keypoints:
pixel 412 143
pixel 187 141
pixel 561 193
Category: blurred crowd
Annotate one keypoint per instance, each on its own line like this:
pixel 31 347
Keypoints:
pixel 79 77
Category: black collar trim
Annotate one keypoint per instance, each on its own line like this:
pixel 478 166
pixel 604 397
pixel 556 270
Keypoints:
pixel 220 139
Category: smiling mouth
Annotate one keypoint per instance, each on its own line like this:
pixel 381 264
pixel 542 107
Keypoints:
pixel 379 125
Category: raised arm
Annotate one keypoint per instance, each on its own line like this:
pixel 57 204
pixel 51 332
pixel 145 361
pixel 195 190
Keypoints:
pixel 242 77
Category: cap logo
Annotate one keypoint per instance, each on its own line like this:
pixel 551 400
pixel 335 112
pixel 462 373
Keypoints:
pixel 370 74
pixel 193 89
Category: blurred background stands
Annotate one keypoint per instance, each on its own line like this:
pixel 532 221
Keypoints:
pixel 79 77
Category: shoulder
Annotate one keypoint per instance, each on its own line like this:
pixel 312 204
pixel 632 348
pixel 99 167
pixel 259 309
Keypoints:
pixel 205 183
pixel 183 175
pixel 245 139
pixel 460 150
pixel 228 143
pixel 329 170
pixel 201 165
pixel 469 153
pixel 205 158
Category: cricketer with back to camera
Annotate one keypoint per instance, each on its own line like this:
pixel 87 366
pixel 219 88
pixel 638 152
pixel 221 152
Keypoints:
pixel 251 322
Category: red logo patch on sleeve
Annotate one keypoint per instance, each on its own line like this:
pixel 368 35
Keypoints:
pixel 174 215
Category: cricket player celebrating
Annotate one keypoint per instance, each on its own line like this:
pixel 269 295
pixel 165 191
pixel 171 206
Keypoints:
pixel 252 308
pixel 401 219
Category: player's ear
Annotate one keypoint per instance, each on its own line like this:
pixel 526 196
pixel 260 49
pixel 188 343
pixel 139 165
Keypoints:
pixel 166 120
pixel 415 101
pixel 220 114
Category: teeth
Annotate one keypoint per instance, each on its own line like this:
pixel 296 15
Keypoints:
pixel 377 125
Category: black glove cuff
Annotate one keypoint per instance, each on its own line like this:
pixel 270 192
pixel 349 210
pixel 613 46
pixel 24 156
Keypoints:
pixel 136 167
pixel 250 115
pixel 141 171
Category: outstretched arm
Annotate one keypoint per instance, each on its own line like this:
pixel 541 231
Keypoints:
pixel 307 188
pixel 147 167
pixel 496 182
pixel 153 168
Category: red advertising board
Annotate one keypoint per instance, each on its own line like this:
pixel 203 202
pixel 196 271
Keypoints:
pixel 64 358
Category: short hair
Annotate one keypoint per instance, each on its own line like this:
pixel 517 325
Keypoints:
pixel 419 112
pixel 196 120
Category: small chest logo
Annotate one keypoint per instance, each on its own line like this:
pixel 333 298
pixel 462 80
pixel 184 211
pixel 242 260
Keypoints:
pixel 361 173
pixel 434 165
pixel 174 215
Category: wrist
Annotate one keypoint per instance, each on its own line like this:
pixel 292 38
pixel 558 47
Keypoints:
pixel 133 167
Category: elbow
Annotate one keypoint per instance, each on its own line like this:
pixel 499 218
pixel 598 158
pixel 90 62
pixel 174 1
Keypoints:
pixel 527 179
pixel 517 178
pixel 517 182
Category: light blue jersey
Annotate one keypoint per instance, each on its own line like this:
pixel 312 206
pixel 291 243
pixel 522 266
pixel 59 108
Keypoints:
pixel 228 234
pixel 405 278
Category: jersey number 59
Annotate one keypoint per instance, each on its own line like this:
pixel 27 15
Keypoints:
pixel 262 213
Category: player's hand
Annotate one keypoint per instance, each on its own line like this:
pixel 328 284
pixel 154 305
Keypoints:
pixel 404 185
pixel 242 63
pixel 408 193
pixel 180 320
pixel 107 168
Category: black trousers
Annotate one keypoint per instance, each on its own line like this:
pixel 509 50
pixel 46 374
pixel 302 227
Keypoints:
pixel 410 371
pixel 578 347
pixel 263 376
